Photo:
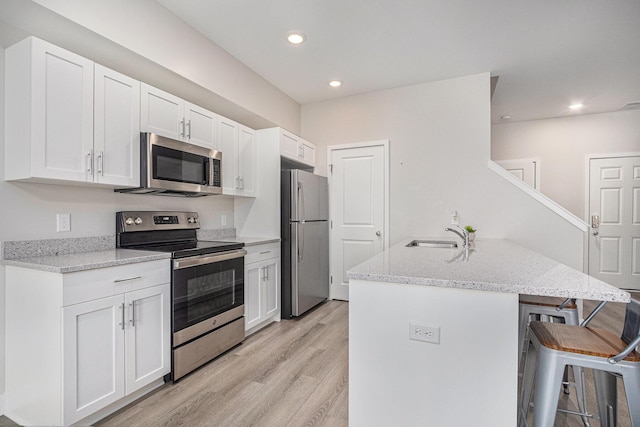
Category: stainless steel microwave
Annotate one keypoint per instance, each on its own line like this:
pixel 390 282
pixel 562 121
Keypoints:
pixel 175 168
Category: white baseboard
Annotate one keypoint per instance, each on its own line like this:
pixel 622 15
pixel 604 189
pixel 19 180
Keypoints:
pixel 2 404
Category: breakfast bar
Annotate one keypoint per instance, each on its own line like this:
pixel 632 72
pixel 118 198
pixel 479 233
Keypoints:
pixel 433 331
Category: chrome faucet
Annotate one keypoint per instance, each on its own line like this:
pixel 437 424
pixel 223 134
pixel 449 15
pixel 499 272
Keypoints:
pixel 464 235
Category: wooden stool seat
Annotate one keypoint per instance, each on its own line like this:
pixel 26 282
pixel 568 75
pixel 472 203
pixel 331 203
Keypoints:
pixel 577 339
pixel 545 301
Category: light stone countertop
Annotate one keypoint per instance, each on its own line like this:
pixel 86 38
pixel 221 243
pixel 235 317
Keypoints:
pixel 69 263
pixel 252 241
pixel 495 265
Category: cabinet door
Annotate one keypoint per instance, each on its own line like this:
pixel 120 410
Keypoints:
pixel 228 144
pixel 247 161
pixel 253 312
pixel 148 339
pixel 62 121
pixel 201 126
pixel 161 112
pixel 116 128
pixel 308 153
pixel 289 146
pixel 93 356
pixel 271 288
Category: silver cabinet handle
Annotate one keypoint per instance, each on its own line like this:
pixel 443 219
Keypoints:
pixel 595 224
pixel 100 163
pixel 378 233
pixel 133 313
pixel 237 182
pixel 90 162
pixel 189 127
pixel 127 279
pixel 182 128
pixel 241 183
pixel 122 322
pixel 265 252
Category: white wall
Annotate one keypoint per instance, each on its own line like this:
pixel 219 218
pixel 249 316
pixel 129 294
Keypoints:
pixel 439 147
pixel 562 145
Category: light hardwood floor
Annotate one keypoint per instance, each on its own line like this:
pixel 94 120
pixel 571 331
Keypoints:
pixel 292 373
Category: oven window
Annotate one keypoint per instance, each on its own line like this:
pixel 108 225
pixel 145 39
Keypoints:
pixel 179 166
pixel 204 291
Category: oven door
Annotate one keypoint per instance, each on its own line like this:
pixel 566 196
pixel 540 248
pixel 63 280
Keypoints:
pixel 208 292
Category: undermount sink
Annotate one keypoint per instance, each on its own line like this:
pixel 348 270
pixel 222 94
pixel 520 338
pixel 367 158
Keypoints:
pixel 432 244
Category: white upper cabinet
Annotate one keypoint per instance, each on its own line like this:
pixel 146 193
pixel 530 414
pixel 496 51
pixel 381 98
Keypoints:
pixel 48 113
pixel 297 149
pixel 167 115
pixel 239 151
pixel 68 119
pixel 116 141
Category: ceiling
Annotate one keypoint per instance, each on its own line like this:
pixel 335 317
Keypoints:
pixel 548 54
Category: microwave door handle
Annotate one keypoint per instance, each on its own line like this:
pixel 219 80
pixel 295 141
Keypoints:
pixel 211 171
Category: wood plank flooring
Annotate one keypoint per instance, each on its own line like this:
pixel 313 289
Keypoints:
pixel 292 373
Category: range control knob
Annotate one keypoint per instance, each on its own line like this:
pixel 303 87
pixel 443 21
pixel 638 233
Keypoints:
pixel 192 220
pixel 138 221
pixel 128 221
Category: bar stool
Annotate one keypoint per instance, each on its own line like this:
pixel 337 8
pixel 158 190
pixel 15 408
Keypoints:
pixel 556 345
pixel 552 309
pixel 546 309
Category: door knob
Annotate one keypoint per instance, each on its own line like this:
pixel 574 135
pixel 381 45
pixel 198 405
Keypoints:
pixel 595 224
pixel 378 233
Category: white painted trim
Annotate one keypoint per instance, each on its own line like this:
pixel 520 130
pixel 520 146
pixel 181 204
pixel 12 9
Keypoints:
pixel 2 404
pixel 387 224
pixel 550 204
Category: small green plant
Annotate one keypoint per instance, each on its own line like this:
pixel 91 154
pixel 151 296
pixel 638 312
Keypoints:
pixel 470 229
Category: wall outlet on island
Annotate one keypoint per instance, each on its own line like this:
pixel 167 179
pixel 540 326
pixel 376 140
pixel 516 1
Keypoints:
pixel 63 222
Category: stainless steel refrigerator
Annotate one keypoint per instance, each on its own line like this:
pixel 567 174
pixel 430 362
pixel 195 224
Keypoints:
pixel 305 241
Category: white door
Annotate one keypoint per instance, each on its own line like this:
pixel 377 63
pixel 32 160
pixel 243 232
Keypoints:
pixel 93 356
pixel 253 311
pixel 62 87
pixel 228 144
pixel 271 271
pixel 527 170
pixel 116 128
pixel 148 336
pixel 201 126
pixel 614 197
pixel 161 112
pixel 247 161
pixel 358 200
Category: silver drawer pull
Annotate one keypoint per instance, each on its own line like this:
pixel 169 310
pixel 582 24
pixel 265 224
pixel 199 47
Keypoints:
pixel 127 279
pixel 265 252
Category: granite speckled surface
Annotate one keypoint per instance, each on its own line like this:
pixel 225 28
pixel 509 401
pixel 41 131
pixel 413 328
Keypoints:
pixel 35 248
pixel 492 265
pixel 69 263
pixel 216 234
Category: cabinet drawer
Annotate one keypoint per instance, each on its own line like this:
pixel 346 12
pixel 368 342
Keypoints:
pixel 261 252
pixel 103 282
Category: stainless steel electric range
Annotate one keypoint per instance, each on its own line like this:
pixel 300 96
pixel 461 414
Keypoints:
pixel 207 284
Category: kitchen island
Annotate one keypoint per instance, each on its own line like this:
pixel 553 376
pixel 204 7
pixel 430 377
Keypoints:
pixel 433 332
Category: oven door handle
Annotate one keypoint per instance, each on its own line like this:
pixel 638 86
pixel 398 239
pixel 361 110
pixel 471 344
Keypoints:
pixel 201 260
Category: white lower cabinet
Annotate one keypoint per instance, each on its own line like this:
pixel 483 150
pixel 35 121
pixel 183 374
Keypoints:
pixel 93 339
pixel 262 286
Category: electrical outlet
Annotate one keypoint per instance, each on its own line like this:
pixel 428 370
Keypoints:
pixel 424 332
pixel 454 218
pixel 63 222
pixel 223 219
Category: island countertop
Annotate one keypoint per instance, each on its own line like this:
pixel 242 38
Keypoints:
pixel 495 265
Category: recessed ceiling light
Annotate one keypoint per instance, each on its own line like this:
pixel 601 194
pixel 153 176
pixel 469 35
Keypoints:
pixel 335 83
pixel 296 37
pixel 576 106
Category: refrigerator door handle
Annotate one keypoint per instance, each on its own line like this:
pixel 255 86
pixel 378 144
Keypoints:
pixel 301 211
pixel 301 242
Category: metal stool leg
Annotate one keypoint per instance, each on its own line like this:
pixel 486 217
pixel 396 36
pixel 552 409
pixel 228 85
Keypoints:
pixel 548 381
pixel 527 383
pixel 607 396
pixel 632 389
